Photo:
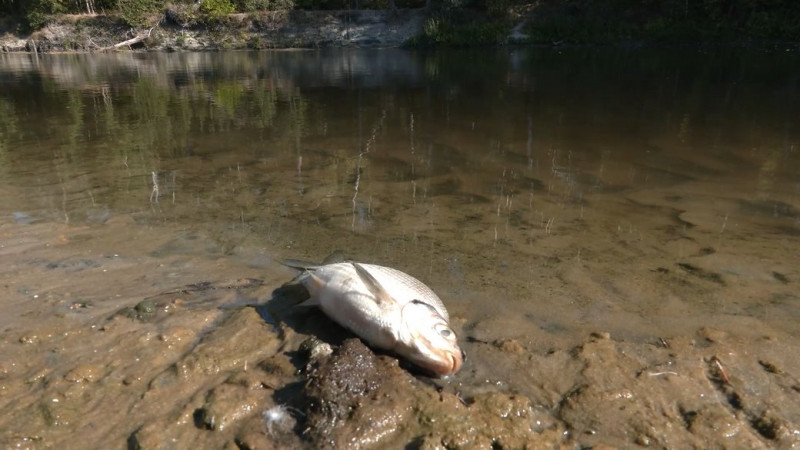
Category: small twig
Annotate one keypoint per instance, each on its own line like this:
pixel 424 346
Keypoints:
pixel 721 370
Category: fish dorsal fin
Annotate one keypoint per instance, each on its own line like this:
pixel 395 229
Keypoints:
pixel 336 257
pixel 381 296
pixel 300 264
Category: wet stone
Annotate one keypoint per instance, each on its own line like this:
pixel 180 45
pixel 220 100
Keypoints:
pixel 29 339
pixel 356 397
pixel 37 376
pixel 314 349
pixel 601 335
pixel 177 335
pixel 509 346
pixel 229 403
pixel 338 384
pixel 57 414
pixel 712 334
pixel 769 366
pixel 84 373
pixel 144 311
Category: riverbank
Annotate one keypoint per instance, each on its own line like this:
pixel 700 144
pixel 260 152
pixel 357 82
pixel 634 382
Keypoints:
pixel 553 23
pixel 174 32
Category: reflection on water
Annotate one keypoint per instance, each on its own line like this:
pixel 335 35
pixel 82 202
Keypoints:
pixel 642 192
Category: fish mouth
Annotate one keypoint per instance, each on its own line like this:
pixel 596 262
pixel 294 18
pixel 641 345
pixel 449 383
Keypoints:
pixel 454 366
pixel 450 364
pixel 457 360
pixel 441 364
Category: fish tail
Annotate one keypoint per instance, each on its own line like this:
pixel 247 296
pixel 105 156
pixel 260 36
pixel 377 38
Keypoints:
pixel 306 277
pixel 304 287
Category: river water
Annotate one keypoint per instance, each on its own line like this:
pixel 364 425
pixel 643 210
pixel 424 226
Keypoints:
pixel 544 194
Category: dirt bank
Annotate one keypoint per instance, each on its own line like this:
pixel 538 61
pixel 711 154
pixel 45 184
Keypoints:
pixel 174 31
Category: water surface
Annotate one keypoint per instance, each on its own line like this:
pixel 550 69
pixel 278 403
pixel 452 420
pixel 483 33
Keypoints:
pixel 574 187
pixel 544 194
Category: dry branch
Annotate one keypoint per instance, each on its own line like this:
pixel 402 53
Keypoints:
pixel 134 40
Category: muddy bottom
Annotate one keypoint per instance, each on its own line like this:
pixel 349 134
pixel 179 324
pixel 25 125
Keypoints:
pixel 228 362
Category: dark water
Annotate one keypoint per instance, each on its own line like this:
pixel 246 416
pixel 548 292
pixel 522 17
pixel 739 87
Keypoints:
pixel 643 192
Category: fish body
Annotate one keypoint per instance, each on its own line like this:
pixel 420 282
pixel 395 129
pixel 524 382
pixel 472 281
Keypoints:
pixel 389 309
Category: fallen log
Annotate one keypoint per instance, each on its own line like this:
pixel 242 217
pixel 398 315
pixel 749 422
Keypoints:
pixel 134 40
pixel 129 42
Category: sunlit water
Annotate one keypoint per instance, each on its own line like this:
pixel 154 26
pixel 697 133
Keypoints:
pixel 540 192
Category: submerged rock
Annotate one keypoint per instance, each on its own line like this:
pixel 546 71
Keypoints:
pixel 144 311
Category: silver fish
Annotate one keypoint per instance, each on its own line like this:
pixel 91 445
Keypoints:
pixel 389 309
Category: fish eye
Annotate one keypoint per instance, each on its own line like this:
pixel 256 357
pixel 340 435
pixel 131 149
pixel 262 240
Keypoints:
pixel 445 332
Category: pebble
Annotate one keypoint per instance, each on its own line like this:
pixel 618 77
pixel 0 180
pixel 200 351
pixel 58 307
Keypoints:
pixel 83 373
pixel 601 335
pixel 509 346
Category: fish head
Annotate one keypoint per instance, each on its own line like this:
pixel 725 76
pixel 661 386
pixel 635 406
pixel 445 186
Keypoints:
pixel 427 340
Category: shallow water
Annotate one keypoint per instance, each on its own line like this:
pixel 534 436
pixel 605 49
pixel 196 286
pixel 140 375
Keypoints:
pixel 543 194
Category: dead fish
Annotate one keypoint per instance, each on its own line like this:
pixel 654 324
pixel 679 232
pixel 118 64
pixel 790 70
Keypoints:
pixel 389 309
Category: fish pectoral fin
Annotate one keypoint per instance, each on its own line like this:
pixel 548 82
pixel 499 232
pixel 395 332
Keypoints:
pixel 381 296
pixel 336 257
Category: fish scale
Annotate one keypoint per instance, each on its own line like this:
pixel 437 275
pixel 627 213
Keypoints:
pixel 403 287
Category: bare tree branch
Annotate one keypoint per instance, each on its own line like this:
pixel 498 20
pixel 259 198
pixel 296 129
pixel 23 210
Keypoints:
pixel 134 40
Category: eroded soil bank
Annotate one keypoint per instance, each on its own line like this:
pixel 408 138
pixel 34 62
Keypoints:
pixel 174 31
pixel 141 352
